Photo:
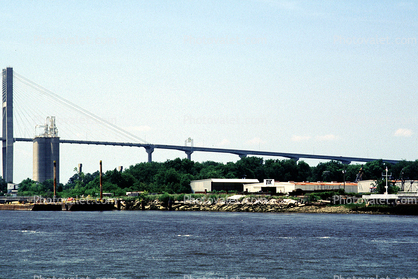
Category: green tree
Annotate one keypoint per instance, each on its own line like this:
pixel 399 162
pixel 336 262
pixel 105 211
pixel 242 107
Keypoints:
pixel 210 171
pixel 373 170
pixel 274 169
pixel 303 171
pixel 290 170
pixel 3 186
pixel 352 171
pixel 380 185
pixel 329 171
pixel 27 187
pixel 230 170
pixel 250 167
pixel 411 170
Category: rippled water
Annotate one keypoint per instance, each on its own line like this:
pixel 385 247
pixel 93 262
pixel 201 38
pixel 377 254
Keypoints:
pixel 156 244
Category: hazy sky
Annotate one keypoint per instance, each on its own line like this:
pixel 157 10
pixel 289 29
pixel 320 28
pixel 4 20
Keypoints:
pixel 322 77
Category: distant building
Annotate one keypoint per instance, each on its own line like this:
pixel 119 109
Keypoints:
pixel 134 193
pixel 12 189
pixel 46 150
pixel 407 186
pixel 366 186
pixel 281 187
pixel 277 187
pixel 220 184
pixel 270 186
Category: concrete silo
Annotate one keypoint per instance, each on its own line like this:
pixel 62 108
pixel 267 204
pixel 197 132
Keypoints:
pixel 45 151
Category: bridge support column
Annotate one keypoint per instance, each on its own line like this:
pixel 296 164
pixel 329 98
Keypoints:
pixel 189 154
pixel 8 124
pixel 242 155
pixel 149 150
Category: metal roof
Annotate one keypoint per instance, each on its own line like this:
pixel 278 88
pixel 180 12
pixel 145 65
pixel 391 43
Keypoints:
pixel 229 180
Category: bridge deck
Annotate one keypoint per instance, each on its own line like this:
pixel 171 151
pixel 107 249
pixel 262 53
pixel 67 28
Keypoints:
pixel 240 152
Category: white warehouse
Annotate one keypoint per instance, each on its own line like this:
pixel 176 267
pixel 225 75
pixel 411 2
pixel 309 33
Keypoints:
pixel 269 185
pixel 220 184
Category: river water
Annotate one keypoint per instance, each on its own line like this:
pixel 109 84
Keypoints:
pixel 162 244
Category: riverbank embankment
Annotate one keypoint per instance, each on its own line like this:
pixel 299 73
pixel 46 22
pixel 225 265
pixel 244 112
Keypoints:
pixel 270 206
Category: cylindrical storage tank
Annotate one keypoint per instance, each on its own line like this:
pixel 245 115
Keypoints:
pixel 39 152
pixel 45 152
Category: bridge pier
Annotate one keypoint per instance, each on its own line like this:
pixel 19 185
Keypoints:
pixel 189 154
pixel 8 124
pixel 149 150
pixel 242 156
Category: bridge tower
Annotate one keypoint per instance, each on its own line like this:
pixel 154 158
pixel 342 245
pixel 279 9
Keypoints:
pixel 7 134
pixel 45 151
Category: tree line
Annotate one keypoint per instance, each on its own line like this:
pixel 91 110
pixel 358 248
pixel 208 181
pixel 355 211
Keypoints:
pixel 174 176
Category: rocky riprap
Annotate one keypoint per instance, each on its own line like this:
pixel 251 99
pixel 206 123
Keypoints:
pixel 272 205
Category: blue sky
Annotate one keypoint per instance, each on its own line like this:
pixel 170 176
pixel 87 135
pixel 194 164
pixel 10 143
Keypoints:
pixel 322 77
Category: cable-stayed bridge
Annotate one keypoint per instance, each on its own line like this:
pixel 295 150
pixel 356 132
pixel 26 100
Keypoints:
pixel 27 104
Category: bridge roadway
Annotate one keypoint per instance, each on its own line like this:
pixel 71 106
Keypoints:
pixel 240 152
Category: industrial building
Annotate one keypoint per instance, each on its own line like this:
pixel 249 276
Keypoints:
pixel 220 184
pixel 274 187
pixel 407 186
pixel 12 189
pixel 46 151
pixel 271 186
pixel 278 187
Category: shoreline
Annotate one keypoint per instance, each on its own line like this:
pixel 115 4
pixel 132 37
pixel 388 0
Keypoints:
pixel 271 208
pixel 268 207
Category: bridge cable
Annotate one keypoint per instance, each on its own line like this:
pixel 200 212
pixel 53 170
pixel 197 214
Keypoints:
pixel 49 93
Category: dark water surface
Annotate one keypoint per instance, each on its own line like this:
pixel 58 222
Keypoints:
pixel 156 244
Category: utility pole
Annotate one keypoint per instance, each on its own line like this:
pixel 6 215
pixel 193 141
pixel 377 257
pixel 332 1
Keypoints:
pixel 101 185
pixel 55 180
pixel 386 192
pixel 344 177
